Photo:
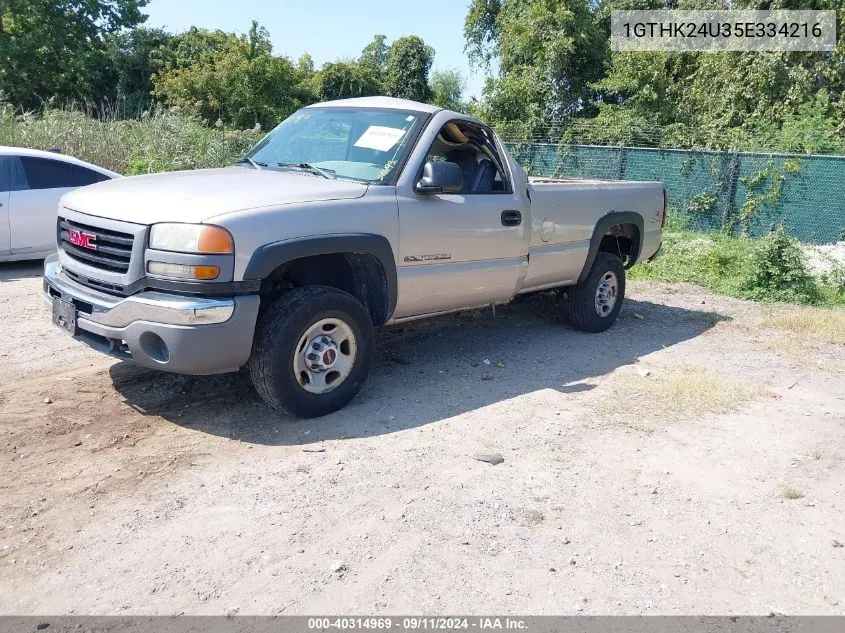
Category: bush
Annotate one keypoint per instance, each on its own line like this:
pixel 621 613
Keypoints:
pixel 834 279
pixel 778 272
pixel 766 269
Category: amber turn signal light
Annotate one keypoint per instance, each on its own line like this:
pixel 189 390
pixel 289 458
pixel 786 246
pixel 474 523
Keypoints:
pixel 181 271
pixel 213 239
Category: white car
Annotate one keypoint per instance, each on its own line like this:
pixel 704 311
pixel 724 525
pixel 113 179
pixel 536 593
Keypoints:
pixel 31 183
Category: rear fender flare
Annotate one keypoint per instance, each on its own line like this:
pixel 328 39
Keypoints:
pixel 602 227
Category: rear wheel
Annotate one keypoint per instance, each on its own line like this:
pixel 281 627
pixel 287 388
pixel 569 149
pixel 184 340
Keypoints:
pixel 594 305
pixel 312 351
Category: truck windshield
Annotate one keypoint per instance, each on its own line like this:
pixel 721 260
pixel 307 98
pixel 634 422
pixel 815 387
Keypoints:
pixel 360 144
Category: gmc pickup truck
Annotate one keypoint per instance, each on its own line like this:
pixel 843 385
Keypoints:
pixel 349 216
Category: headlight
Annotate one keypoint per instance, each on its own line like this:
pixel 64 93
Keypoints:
pixel 191 238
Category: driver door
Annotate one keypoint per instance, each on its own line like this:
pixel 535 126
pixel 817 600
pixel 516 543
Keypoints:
pixel 459 250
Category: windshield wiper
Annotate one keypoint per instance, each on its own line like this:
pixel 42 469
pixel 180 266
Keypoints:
pixel 325 173
pixel 256 164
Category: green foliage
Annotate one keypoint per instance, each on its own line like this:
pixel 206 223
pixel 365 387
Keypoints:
pixel 809 129
pixel 447 89
pixel 833 281
pixel 765 269
pixel 764 190
pixel 342 80
pixel 374 55
pixel 481 30
pixel 552 75
pixel 58 48
pixel 222 76
pixel 406 73
pixel 548 54
pixel 612 126
pixel 305 65
pixel 92 54
pixel 746 101
pixel 553 64
pixel 791 166
pixel 715 261
pixel 641 83
pixel 159 141
pixel 703 202
pixel 778 273
pixel 132 59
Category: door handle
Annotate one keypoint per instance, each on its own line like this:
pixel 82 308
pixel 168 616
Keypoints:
pixel 511 218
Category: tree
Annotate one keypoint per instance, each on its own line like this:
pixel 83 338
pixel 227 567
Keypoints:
pixel 132 59
pixel 341 80
pixel 236 79
pixel 447 89
pixel 374 55
pixel 305 90
pixel 56 48
pixel 305 64
pixel 740 100
pixel 554 75
pixel 547 53
pixel 408 64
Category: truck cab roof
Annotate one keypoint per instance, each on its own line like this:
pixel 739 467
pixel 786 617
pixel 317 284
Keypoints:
pixel 386 103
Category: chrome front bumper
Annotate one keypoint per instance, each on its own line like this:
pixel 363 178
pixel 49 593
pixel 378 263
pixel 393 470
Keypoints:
pixel 157 307
pixel 182 334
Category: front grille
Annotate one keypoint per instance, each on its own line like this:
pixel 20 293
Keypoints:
pixel 113 249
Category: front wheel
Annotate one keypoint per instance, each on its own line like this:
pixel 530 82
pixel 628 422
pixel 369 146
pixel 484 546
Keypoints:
pixel 594 305
pixel 312 351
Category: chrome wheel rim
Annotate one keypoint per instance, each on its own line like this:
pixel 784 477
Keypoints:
pixel 324 356
pixel 606 294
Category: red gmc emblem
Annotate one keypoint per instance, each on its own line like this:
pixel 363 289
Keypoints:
pixel 85 240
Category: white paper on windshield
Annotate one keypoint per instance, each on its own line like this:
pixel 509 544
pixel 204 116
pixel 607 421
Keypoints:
pixel 380 138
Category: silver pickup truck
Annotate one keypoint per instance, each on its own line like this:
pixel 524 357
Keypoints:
pixel 348 216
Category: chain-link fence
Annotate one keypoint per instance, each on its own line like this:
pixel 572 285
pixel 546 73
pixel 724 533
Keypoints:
pixel 713 191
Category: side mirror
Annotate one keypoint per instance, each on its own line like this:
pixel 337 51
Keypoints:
pixel 440 177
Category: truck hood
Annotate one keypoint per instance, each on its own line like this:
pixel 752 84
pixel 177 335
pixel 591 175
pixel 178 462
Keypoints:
pixel 195 196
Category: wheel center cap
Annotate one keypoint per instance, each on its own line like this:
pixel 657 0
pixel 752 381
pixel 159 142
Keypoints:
pixel 321 353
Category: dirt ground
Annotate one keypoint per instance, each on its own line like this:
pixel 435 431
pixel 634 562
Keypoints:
pixel 689 460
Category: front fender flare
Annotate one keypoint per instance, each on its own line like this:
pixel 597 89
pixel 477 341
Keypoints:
pixel 267 258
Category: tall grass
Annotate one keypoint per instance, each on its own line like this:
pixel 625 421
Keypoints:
pixel 163 140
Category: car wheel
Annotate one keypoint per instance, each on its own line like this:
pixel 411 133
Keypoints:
pixel 594 305
pixel 312 351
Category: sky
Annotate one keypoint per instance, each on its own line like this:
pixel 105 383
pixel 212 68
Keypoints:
pixel 331 30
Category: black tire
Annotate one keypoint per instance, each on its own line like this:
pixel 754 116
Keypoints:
pixel 277 335
pixel 579 309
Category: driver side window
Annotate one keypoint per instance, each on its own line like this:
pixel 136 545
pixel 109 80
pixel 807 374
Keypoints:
pixel 471 148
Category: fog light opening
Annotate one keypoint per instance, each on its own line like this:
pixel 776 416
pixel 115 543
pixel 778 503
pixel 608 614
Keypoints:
pixel 154 347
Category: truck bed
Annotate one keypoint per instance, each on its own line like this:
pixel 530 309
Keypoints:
pixel 565 212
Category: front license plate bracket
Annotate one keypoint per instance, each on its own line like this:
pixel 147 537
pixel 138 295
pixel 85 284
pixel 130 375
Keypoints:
pixel 64 315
